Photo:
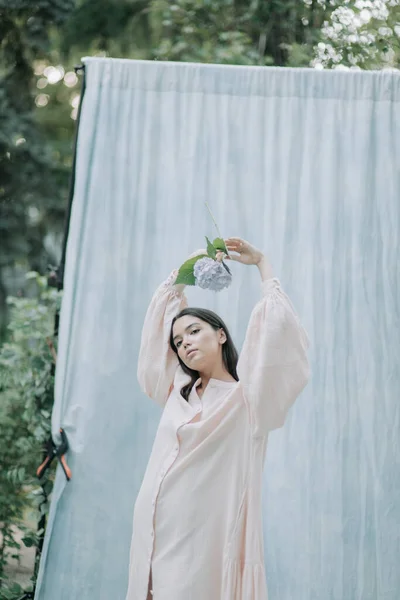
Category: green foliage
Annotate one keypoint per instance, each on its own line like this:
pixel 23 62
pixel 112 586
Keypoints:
pixel 28 172
pixel 229 31
pixel 119 28
pixel 234 32
pixel 219 244
pixel 185 273
pixel 26 398
pixel 211 250
pixel 202 31
pixel 13 592
pixel 33 185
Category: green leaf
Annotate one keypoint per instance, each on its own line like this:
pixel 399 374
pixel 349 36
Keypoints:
pixel 39 433
pixel 211 251
pixel 185 273
pixel 44 508
pixel 48 487
pixel 29 541
pixel 38 500
pixel 10 593
pixel 186 278
pixel 219 244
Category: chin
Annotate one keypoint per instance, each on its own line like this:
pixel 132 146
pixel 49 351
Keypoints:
pixel 194 364
pixel 190 364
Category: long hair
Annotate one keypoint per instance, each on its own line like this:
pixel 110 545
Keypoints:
pixel 229 353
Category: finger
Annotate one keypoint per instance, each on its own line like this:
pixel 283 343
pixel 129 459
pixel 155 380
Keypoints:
pixel 238 244
pixel 234 239
pixel 233 257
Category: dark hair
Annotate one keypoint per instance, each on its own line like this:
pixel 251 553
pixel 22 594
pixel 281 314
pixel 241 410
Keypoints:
pixel 229 353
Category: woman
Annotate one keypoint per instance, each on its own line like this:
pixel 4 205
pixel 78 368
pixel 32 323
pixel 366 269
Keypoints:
pixel 197 528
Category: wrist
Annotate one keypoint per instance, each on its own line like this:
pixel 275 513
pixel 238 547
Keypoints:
pixel 177 287
pixel 260 258
pixel 265 268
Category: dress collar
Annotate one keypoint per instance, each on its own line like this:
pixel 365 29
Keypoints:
pixel 217 383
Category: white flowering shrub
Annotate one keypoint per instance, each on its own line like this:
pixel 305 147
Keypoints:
pixel 360 34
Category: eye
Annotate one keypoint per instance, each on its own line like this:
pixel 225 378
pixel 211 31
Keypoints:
pixel 178 344
pixel 194 331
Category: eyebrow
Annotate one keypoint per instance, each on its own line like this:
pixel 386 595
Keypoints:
pixel 186 328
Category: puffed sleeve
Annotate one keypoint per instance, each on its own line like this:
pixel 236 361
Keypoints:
pixel 157 362
pixel 273 367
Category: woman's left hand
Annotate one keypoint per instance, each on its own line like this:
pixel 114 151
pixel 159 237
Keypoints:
pixel 246 253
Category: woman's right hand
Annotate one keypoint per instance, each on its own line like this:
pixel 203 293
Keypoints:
pixel 245 253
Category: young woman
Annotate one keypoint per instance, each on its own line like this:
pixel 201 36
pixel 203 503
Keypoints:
pixel 197 528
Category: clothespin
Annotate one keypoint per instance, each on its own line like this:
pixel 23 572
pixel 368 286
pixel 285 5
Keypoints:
pixel 56 451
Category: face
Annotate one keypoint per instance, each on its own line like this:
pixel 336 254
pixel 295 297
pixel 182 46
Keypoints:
pixel 199 346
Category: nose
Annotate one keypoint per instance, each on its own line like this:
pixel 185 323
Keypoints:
pixel 186 342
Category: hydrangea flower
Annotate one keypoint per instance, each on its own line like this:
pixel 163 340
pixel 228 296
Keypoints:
pixel 210 274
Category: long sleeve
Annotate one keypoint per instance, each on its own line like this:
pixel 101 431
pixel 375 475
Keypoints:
pixel 273 366
pixel 157 362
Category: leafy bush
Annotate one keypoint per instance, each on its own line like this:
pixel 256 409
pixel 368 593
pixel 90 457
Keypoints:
pixel 26 397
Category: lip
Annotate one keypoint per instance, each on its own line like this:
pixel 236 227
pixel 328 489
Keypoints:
pixel 191 352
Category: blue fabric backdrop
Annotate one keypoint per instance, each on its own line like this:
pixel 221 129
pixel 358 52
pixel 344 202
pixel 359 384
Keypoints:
pixel 304 164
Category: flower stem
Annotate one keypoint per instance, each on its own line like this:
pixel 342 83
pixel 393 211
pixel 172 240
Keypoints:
pixel 216 227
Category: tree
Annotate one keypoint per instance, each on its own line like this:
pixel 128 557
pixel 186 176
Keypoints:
pixel 33 185
pixel 278 32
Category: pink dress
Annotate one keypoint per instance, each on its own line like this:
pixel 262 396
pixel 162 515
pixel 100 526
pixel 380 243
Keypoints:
pixel 197 525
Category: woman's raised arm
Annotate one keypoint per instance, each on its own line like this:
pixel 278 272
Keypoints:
pixel 157 362
pixel 273 366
